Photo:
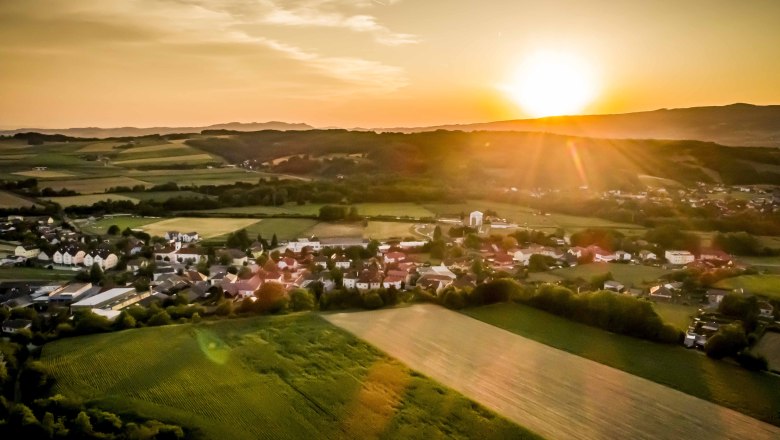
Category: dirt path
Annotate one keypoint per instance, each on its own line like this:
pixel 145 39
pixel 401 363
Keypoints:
pixel 551 392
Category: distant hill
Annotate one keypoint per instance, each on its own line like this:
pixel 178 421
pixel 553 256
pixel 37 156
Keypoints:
pixel 500 158
pixel 96 132
pixel 733 125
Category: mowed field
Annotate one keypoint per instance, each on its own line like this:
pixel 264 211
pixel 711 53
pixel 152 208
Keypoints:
pixel 101 226
pixel 93 185
pixel 289 377
pixel 205 227
pixel 554 393
pixel 766 285
pixel 628 274
pixel 689 371
pixel 135 197
pixel 11 200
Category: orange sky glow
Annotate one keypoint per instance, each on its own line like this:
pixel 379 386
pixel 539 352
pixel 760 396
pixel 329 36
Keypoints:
pixel 375 63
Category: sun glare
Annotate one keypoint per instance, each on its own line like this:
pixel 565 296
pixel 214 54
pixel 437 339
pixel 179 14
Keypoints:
pixel 551 84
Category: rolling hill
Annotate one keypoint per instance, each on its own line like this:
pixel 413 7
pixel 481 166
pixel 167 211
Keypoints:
pixel 102 133
pixel 733 125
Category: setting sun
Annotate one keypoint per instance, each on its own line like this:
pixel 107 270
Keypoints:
pixel 551 84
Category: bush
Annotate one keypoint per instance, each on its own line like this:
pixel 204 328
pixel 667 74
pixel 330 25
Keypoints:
pixel 454 299
pixel 301 299
pixel 729 340
pixel 752 362
pixel 225 308
pixel 160 318
pixel 372 300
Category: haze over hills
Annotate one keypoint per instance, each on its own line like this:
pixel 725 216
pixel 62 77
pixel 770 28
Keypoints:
pixel 97 132
pixel 733 125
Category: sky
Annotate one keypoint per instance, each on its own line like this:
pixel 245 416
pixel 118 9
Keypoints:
pixel 368 63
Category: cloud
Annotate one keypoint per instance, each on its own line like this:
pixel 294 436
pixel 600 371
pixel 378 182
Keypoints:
pixel 238 24
pixel 323 14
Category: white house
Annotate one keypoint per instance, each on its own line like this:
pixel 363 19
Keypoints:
pixel 27 251
pixel 393 281
pixel 343 262
pixel 475 219
pixel 298 245
pixel 69 256
pixel 43 256
pixel 349 280
pixel 190 255
pixel 12 326
pixel 622 256
pixel 104 258
pixel 647 255
pixel 368 281
pixel 679 257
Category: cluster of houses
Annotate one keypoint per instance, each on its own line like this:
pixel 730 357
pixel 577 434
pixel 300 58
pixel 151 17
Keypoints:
pixel 704 195
pixel 708 322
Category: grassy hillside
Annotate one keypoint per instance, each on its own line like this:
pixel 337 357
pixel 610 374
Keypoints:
pixel 507 158
pixel 279 377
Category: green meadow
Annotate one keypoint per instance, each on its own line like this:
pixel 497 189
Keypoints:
pixel 265 378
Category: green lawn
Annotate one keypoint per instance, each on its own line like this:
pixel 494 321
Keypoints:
pixel 88 199
pixel 265 377
pixel 628 274
pixel 101 226
pixel 530 218
pixel 34 273
pixel 284 228
pixel 755 394
pixel 766 285
pixel 676 314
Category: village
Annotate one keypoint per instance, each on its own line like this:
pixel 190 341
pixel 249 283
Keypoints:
pixel 127 268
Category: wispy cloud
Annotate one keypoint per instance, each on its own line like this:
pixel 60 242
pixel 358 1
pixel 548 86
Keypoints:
pixel 241 24
pixel 320 13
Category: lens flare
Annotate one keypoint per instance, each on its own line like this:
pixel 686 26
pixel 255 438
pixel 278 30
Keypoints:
pixel 213 347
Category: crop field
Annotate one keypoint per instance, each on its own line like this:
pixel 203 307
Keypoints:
pixel 214 176
pixel 530 218
pixel 364 209
pixel 189 158
pixel 94 185
pixel 266 378
pixel 676 314
pixel 205 227
pixel 766 285
pixel 383 230
pixel 628 274
pixel 101 226
pixel 99 147
pixel 769 347
pixel 87 200
pixel 284 228
pixel 160 196
pixel 323 229
pixel 689 371
pixel 154 148
pixel 11 200
pixel 44 174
